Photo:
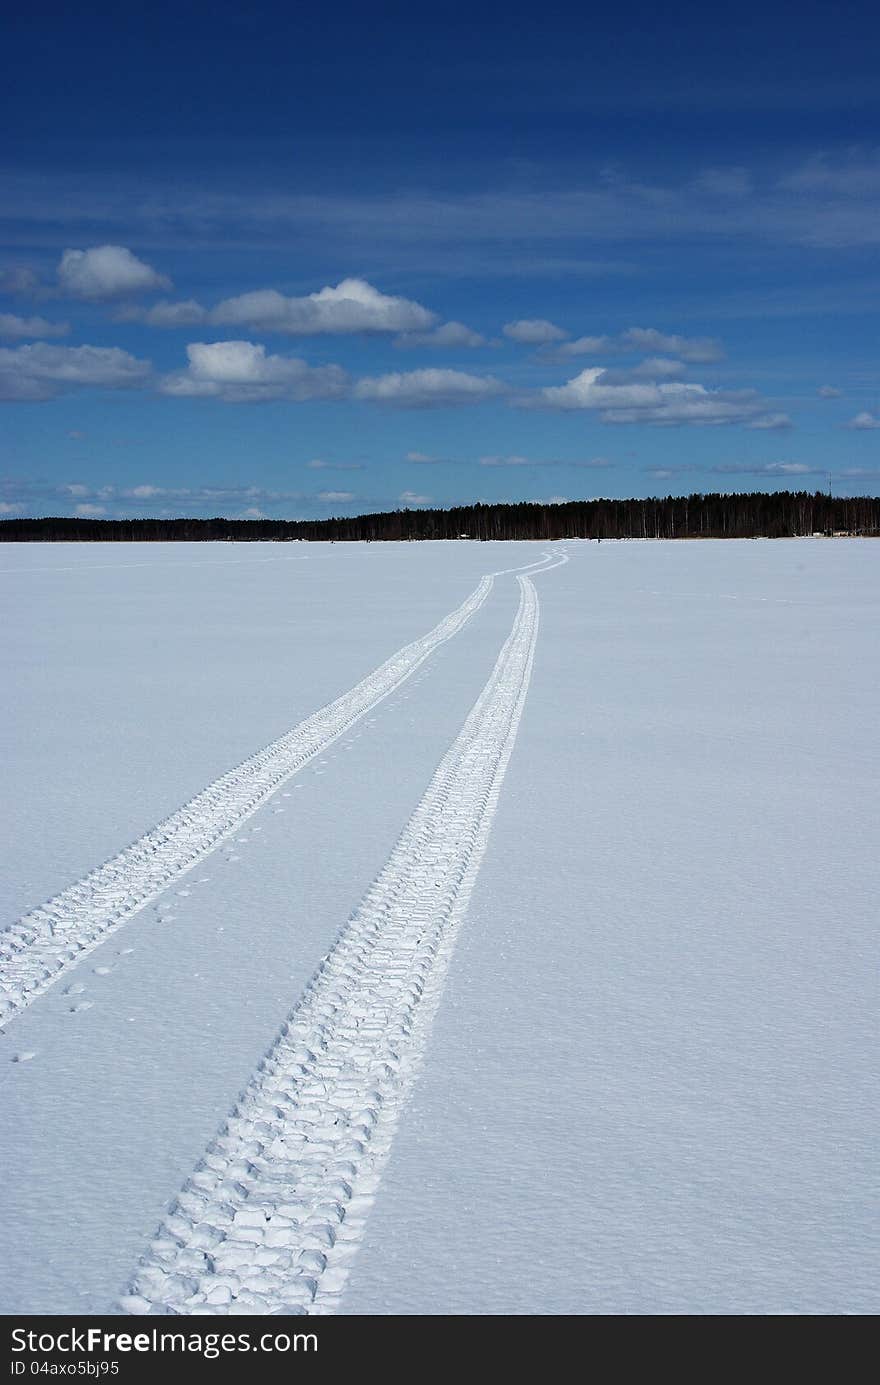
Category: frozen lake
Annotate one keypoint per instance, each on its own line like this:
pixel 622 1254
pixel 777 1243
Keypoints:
pixel 634 1071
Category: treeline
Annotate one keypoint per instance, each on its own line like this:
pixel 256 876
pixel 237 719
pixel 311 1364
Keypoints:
pixel 778 514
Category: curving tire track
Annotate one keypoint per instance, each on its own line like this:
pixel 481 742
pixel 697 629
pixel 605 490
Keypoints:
pixel 44 944
pixel 272 1217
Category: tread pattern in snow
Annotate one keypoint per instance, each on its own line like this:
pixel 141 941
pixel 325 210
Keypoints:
pixel 44 944
pixel 274 1214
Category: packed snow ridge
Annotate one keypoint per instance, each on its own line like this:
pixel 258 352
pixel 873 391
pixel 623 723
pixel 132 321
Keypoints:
pixel 42 946
pixel 273 1216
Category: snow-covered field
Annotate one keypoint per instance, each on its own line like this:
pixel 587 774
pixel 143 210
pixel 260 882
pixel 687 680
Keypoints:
pixel 440 928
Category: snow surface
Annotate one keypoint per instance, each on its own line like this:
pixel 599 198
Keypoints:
pixel 650 1083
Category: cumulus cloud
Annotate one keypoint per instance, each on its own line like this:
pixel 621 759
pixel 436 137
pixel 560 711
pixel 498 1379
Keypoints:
pixel 828 392
pixel 18 328
pixel 670 402
pixel 534 331
pixel 421 389
pixel 40 372
pixel 107 271
pixel 772 423
pixel 864 421
pixel 411 498
pixel 242 372
pixel 352 306
pixel 144 492
pixel 90 511
pixel 10 508
pixel 448 334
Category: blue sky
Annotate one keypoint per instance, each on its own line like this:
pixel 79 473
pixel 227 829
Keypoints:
pixel 292 262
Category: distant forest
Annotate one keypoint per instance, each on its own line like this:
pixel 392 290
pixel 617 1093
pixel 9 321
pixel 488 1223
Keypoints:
pixel 776 515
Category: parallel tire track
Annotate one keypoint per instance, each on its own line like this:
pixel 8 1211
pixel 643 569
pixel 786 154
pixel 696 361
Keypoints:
pixel 44 944
pixel 273 1215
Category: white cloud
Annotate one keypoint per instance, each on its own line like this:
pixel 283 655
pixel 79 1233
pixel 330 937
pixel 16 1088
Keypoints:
pixel 411 498
pixel 420 389
pixel 448 334
pixel 422 458
pixel 186 313
pixel 653 368
pixel 352 306
pixel 769 469
pixel 585 346
pixel 318 465
pixel 41 371
pixel 828 392
pixel 90 511
pixel 662 346
pixel 22 282
pixel 242 372
pixel 730 182
pixel 15 327
pixel 695 349
pixel 663 403
pixel 507 461
pixel 533 331
pixel 7 508
pixel 144 492
pixel 772 423
pixel 340 497
pixel 107 271
pixel 864 421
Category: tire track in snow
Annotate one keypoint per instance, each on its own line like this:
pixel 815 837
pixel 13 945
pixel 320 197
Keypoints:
pixel 272 1217
pixel 46 943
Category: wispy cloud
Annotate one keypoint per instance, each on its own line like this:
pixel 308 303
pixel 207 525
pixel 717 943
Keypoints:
pixel 768 469
pixel 413 498
pixel 425 389
pixel 864 421
pixel 40 372
pixel 661 345
pixel 318 464
pixel 451 335
pixel 771 423
pixel 514 460
pixel 533 331
pixel 20 328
